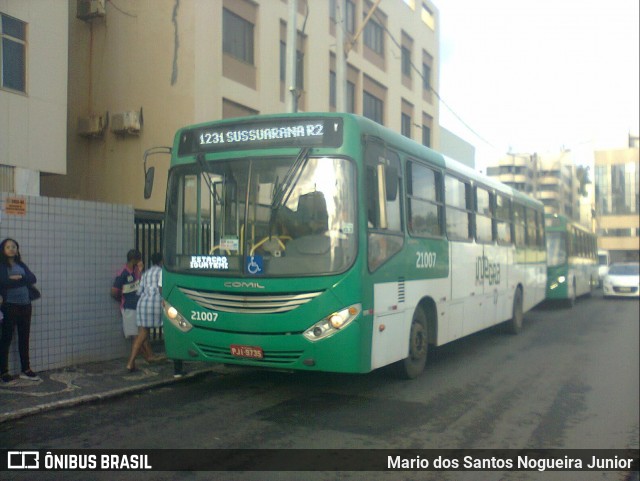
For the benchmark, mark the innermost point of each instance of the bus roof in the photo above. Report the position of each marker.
(369, 127)
(560, 222)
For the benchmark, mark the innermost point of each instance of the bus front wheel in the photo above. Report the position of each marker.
(413, 365)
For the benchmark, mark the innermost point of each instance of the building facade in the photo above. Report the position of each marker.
(550, 178)
(140, 71)
(457, 148)
(33, 93)
(617, 193)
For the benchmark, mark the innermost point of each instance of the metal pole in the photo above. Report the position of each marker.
(291, 53)
(341, 58)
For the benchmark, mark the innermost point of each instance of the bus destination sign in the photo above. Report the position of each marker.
(272, 133)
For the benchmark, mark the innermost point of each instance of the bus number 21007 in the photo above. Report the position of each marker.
(425, 260)
(204, 316)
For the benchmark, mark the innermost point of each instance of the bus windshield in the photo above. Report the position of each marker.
(556, 248)
(262, 217)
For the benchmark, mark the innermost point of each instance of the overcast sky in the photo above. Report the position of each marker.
(534, 76)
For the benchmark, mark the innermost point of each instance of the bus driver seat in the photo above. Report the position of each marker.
(312, 216)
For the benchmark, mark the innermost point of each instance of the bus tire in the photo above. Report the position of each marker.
(413, 365)
(514, 325)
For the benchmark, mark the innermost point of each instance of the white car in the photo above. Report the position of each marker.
(622, 280)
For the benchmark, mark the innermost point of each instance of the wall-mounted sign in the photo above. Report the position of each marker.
(15, 206)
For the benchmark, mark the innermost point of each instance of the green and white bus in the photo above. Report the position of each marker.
(572, 257)
(326, 242)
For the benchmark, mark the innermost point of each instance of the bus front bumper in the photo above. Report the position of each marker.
(341, 352)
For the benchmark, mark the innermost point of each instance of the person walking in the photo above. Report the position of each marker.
(149, 308)
(125, 289)
(15, 279)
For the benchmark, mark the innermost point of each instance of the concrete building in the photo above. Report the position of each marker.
(33, 93)
(617, 193)
(141, 70)
(550, 178)
(517, 171)
(457, 148)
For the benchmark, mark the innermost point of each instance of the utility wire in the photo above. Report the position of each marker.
(419, 72)
(122, 11)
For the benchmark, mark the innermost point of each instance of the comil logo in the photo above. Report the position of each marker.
(23, 460)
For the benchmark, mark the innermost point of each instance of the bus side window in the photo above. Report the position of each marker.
(503, 220)
(384, 241)
(540, 229)
(459, 204)
(424, 201)
(519, 225)
(532, 240)
(484, 212)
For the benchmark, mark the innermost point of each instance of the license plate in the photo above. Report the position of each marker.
(624, 289)
(252, 352)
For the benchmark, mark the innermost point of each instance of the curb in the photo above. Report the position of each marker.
(65, 403)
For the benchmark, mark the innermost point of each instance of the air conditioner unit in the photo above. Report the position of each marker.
(126, 122)
(87, 10)
(92, 126)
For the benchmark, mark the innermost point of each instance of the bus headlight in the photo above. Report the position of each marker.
(561, 279)
(333, 323)
(176, 318)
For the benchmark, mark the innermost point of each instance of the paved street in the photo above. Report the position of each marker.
(570, 380)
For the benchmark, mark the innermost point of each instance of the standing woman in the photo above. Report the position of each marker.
(15, 277)
(149, 309)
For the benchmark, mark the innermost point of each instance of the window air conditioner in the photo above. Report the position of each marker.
(87, 10)
(126, 122)
(92, 126)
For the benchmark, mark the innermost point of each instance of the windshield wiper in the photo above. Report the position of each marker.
(283, 191)
(203, 170)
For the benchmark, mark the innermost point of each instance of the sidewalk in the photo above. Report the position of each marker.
(89, 382)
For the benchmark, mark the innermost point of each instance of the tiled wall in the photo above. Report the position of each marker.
(75, 249)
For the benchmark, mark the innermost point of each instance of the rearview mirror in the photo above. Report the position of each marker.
(148, 181)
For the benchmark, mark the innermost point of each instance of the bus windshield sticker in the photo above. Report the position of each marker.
(255, 265)
(347, 228)
(209, 262)
(230, 244)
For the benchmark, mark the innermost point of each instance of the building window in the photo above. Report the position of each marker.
(351, 97)
(7, 178)
(13, 53)
(426, 77)
(405, 125)
(299, 66)
(372, 107)
(374, 37)
(624, 189)
(428, 17)
(426, 135)
(237, 37)
(411, 4)
(406, 62)
(349, 15)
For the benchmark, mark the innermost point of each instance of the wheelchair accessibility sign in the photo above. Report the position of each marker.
(255, 265)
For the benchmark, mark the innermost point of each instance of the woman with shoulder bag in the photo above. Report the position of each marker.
(15, 280)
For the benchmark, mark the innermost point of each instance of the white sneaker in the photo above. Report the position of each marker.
(29, 375)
